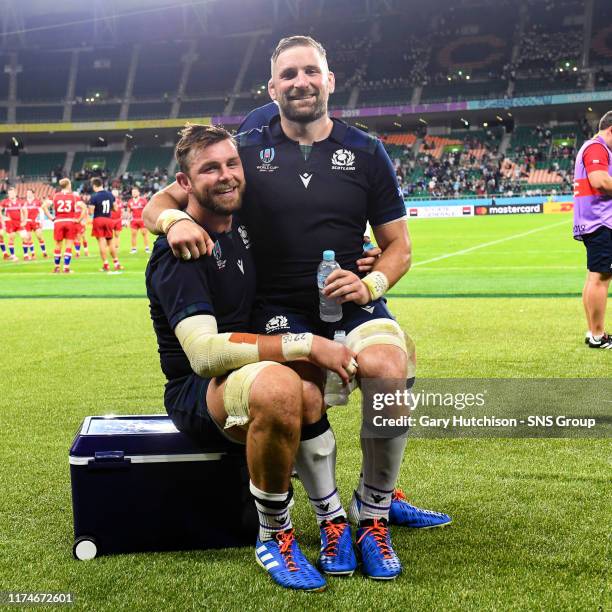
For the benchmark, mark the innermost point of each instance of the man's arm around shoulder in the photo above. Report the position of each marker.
(161, 214)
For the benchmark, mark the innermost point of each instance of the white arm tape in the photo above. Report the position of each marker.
(377, 284)
(295, 346)
(167, 218)
(211, 354)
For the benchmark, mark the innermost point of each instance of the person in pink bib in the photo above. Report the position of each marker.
(593, 226)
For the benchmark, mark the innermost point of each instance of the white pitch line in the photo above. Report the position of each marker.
(487, 244)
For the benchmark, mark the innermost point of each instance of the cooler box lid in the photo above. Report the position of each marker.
(141, 438)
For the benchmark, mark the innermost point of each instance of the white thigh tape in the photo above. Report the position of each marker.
(237, 389)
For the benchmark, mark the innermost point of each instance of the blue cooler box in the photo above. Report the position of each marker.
(138, 484)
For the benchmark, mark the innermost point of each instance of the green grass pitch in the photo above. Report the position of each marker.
(487, 297)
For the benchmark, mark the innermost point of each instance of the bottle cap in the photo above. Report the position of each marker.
(329, 255)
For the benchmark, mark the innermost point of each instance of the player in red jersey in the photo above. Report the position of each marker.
(32, 225)
(117, 217)
(5, 254)
(82, 236)
(135, 206)
(15, 222)
(69, 211)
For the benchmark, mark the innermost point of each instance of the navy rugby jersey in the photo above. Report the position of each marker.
(295, 208)
(258, 117)
(222, 285)
(102, 201)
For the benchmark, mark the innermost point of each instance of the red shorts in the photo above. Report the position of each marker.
(118, 225)
(13, 226)
(32, 226)
(103, 227)
(137, 224)
(65, 230)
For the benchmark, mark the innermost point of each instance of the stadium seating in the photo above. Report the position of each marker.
(377, 97)
(149, 110)
(601, 44)
(95, 112)
(202, 108)
(44, 76)
(148, 159)
(39, 164)
(159, 69)
(217, 66)
(103, 71)
(244, 105)
(339, 99)
(109, 159)
(405, 140)
(39, 114)
(460, 89)
(41, 190)
(526, 87)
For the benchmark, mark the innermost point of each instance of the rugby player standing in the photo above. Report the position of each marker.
(117, 217)
(5, 255)
(593, 226)
(33, 206)
(226, 386)
(101, 204)
(136, 205)
(15, 221)
(312, 184)
(68, 213)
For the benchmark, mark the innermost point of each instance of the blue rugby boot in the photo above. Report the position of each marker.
(378, 559)
(337, 557)
(286, 564)
(404, 514)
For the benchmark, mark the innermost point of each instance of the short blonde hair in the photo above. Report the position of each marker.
(298, 41)
(64, 183)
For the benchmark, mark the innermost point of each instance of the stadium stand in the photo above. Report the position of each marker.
(38, 114)
(146, 159)
(97, 111)
(384, 58)
(43, 76)
(149, 110)
(157, 73)
(202, 108)
(108, 160)
(39, 164)
(102, 71)
(218, 63)
(41, 190)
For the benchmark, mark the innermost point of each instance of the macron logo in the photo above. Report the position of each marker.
(306, 179)
(240, 265)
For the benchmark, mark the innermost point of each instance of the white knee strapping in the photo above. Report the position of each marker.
(383, 331)
(237, 389)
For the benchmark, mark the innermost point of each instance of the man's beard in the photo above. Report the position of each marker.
(211, 201)
(309, 115)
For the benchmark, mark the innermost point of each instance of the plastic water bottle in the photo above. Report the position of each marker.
(368, 246)
(336, 392)
(329, 310)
